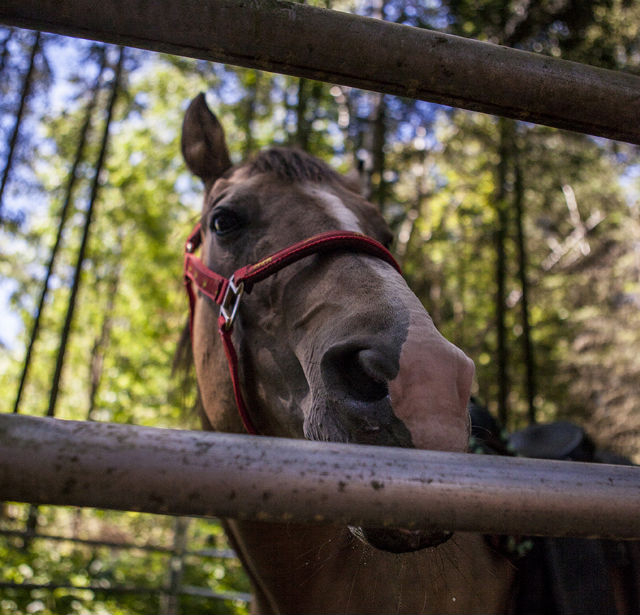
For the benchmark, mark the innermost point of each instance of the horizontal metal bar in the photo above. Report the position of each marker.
(115, 589)
(203, 553)
(213, 553)
(203, 592)
(106, 465)
(332, 46)
(185, 590)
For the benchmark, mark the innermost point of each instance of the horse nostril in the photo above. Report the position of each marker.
(361, 374)
(353, 400)
(363, 378)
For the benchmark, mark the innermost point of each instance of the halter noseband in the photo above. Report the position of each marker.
(227, 292)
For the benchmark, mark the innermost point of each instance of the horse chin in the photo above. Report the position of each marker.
(399, 540)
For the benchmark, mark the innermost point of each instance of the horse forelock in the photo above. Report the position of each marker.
(290, 164)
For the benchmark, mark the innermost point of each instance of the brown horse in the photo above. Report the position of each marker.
(333, 347)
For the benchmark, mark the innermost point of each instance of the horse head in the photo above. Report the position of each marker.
(333, 347)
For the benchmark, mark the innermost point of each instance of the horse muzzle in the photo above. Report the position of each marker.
(357, 408)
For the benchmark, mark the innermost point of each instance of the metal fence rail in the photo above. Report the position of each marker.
(47, 461)
(50, 461)
(328, 45)
(168, 592)
(129, 546)
(185, 590)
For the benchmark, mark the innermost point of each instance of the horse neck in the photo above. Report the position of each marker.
(302, 569)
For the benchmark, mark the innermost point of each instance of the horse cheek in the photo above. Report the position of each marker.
(432, 388)
(212, 371)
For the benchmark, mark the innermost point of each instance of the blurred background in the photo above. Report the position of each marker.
(522, 241)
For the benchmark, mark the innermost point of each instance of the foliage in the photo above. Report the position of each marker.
(447, 181)
(40, 561)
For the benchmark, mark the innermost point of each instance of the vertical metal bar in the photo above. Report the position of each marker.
(170, 602)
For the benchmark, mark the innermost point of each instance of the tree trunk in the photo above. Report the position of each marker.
(373, 141)
(79, 155)
(13, 140)
(98, 351)
(527, 346)
(377, 151)
(302, 125)
(250, 112)
(85, 238)
(501, 273)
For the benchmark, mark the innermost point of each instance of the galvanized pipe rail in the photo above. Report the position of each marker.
(186, 590)
(113, 545)
(327, 45)
(106, 465)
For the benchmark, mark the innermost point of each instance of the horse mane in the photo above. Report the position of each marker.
(290, 164)
(184, 392)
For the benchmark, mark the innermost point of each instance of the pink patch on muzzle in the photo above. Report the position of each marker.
(432, 388)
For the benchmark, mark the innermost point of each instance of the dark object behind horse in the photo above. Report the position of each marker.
(562, 575)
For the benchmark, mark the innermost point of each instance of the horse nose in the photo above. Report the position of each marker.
(357, 372)
(355, 378)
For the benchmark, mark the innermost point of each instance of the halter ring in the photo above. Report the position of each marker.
(231, 302)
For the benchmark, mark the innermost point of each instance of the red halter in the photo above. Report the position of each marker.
(227, 292)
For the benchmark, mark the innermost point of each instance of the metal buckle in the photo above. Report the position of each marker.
(230, 302)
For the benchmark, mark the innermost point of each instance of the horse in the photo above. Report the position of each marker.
(330, 345)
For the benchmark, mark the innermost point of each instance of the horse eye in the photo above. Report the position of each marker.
(224, 222)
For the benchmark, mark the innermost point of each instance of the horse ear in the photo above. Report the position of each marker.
(203, 143)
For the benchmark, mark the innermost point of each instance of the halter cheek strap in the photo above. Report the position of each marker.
(227, 292)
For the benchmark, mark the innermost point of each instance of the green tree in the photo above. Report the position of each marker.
(565, 207)
(527, 176)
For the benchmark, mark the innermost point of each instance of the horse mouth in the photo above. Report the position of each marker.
(399, 540)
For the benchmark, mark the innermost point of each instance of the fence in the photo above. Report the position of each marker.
(363, 52)
(508, 495)
(169, 593)
(272, 479)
